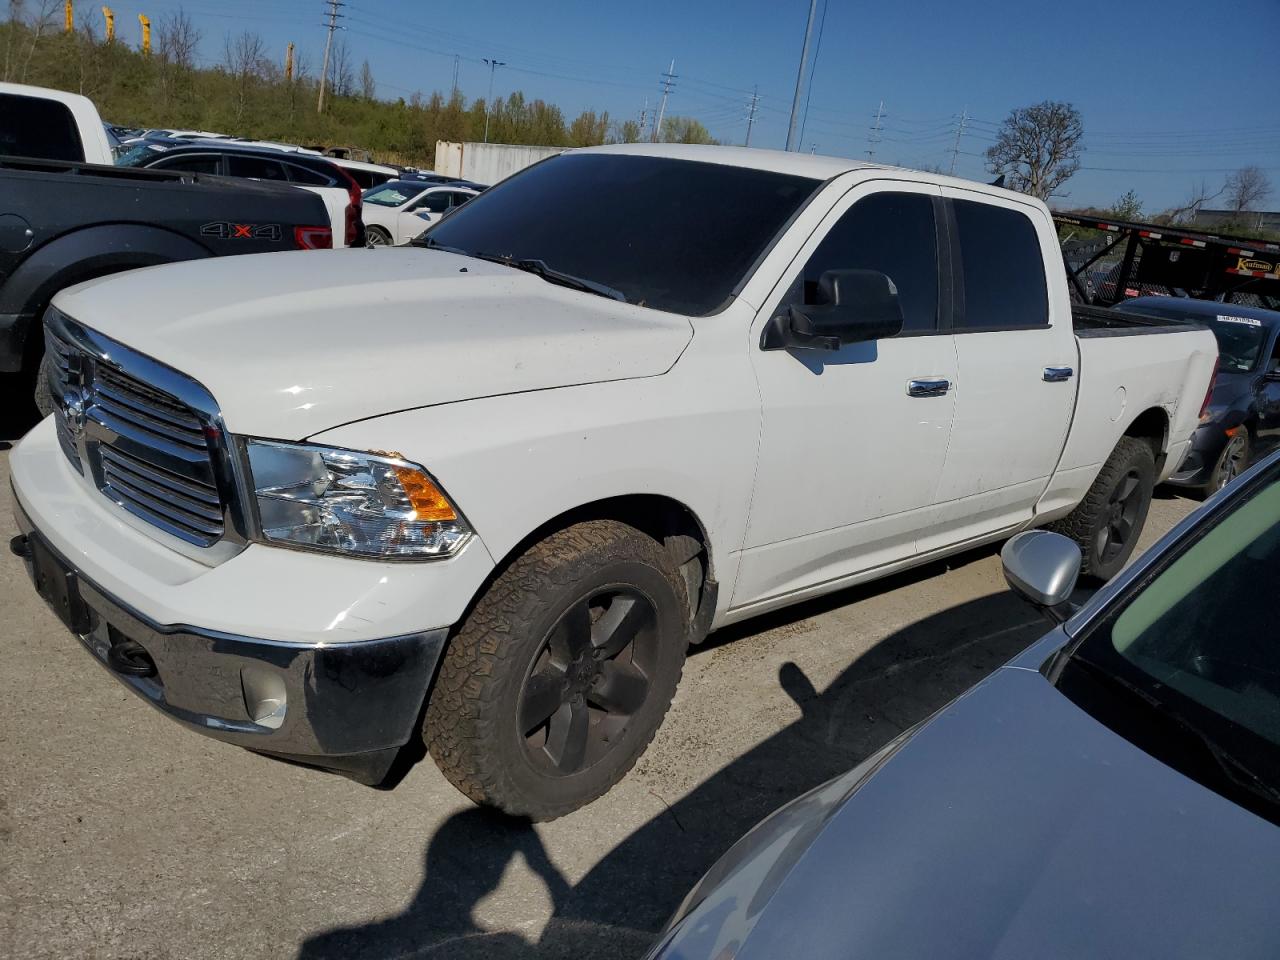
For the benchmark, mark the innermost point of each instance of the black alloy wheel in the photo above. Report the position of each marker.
(590, 677)
(1122, 523)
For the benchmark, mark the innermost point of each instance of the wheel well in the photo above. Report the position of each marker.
(1153, 426)
(666, 520)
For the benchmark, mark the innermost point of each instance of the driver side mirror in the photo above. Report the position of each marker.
(1273, 369)
(1042, 568)
(857, 305)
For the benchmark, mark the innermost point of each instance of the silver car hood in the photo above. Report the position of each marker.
(1014, 825)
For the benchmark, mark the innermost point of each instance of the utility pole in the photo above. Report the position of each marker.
(488, 104)
(668, 81)
(288, 64)
(328, 44)
(454, 91)
(109, 15)
(145, 21)
(875, 132)
(68, 18)
(751, 112)
(804, 59)
(955, 150)
(644, 117)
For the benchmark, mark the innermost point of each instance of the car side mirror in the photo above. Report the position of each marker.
(858, 305)
(1273, 369)
(1042, 568)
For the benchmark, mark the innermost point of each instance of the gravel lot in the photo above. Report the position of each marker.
(122, 835)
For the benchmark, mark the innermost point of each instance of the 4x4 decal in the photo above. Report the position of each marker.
(225, 230)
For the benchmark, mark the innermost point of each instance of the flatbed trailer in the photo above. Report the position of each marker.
(1139, 259)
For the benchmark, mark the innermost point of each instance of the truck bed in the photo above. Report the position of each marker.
(1091, 321)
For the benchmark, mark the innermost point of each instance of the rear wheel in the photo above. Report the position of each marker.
(562, 673)
(1108, 522)
(376, 237)
(1233, 461)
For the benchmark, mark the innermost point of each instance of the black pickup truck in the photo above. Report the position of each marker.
(62, 223)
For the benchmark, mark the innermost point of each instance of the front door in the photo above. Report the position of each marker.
(852, 441)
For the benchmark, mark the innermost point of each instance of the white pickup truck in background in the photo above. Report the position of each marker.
(51, 125)
(621, 399)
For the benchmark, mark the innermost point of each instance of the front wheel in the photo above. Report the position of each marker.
(562, 673)
(1108, 522)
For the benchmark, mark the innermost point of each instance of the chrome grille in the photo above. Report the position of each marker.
(59, 352)
(144, 447)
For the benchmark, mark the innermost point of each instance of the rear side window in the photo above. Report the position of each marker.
(311, 178)
(365, 178)
(1001, 271)
(893, 233)
(192, 163)
(35, 127)
(259, 168)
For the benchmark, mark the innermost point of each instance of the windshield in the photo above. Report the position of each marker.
(1240, 339)
(674, 235)
(1197, 642)
(138, 154)
(392, 194)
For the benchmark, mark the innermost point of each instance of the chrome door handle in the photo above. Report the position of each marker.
(1057, 374)
(928, 388)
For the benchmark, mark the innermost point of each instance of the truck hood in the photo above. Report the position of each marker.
(291, 344)
(1012, 825)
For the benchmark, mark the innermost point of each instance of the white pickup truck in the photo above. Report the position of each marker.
(487, 489)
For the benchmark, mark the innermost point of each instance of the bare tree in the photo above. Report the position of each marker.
(245, 57)
(40, 22)
(368, 88)
(1198, 197)
(342, 79)
(177, 38)
(1246, 189)
(1038, 147)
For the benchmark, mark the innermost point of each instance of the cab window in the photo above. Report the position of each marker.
(1001, 283)
(893, 233)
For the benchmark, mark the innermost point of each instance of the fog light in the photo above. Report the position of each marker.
(265, 699)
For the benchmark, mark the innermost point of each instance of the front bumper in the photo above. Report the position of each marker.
(346, 707)
(317, 658)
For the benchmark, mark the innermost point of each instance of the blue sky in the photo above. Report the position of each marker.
(1171, 91)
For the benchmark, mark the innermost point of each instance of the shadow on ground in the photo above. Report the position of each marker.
(616, 908)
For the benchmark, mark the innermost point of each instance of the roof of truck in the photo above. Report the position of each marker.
(798, 164)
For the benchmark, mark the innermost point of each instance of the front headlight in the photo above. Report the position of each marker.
(345, 501)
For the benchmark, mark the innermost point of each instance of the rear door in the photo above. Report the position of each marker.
(852, 441)
(1017, 358)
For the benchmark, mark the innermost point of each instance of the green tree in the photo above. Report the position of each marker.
(588, 130)
(685, 130)
(1127, 206)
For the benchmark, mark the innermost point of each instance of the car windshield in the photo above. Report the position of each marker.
(675, 235)
(392, 194)
(1196, 643)
(138, 154)
(1240, 339)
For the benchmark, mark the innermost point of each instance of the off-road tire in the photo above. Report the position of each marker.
(471, 726)
(1132, 455)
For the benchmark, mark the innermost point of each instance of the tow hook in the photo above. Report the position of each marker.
(131, 659)
(20, 546)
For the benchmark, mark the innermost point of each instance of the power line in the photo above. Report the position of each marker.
(751, 114)
(334, 15)
(668, 81)
(874, 138)
(488, 103)
(804, 57)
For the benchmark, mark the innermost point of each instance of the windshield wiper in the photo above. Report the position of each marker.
(1230, 766)
(537, 267)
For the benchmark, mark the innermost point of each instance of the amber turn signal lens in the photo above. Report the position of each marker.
(428, 502)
